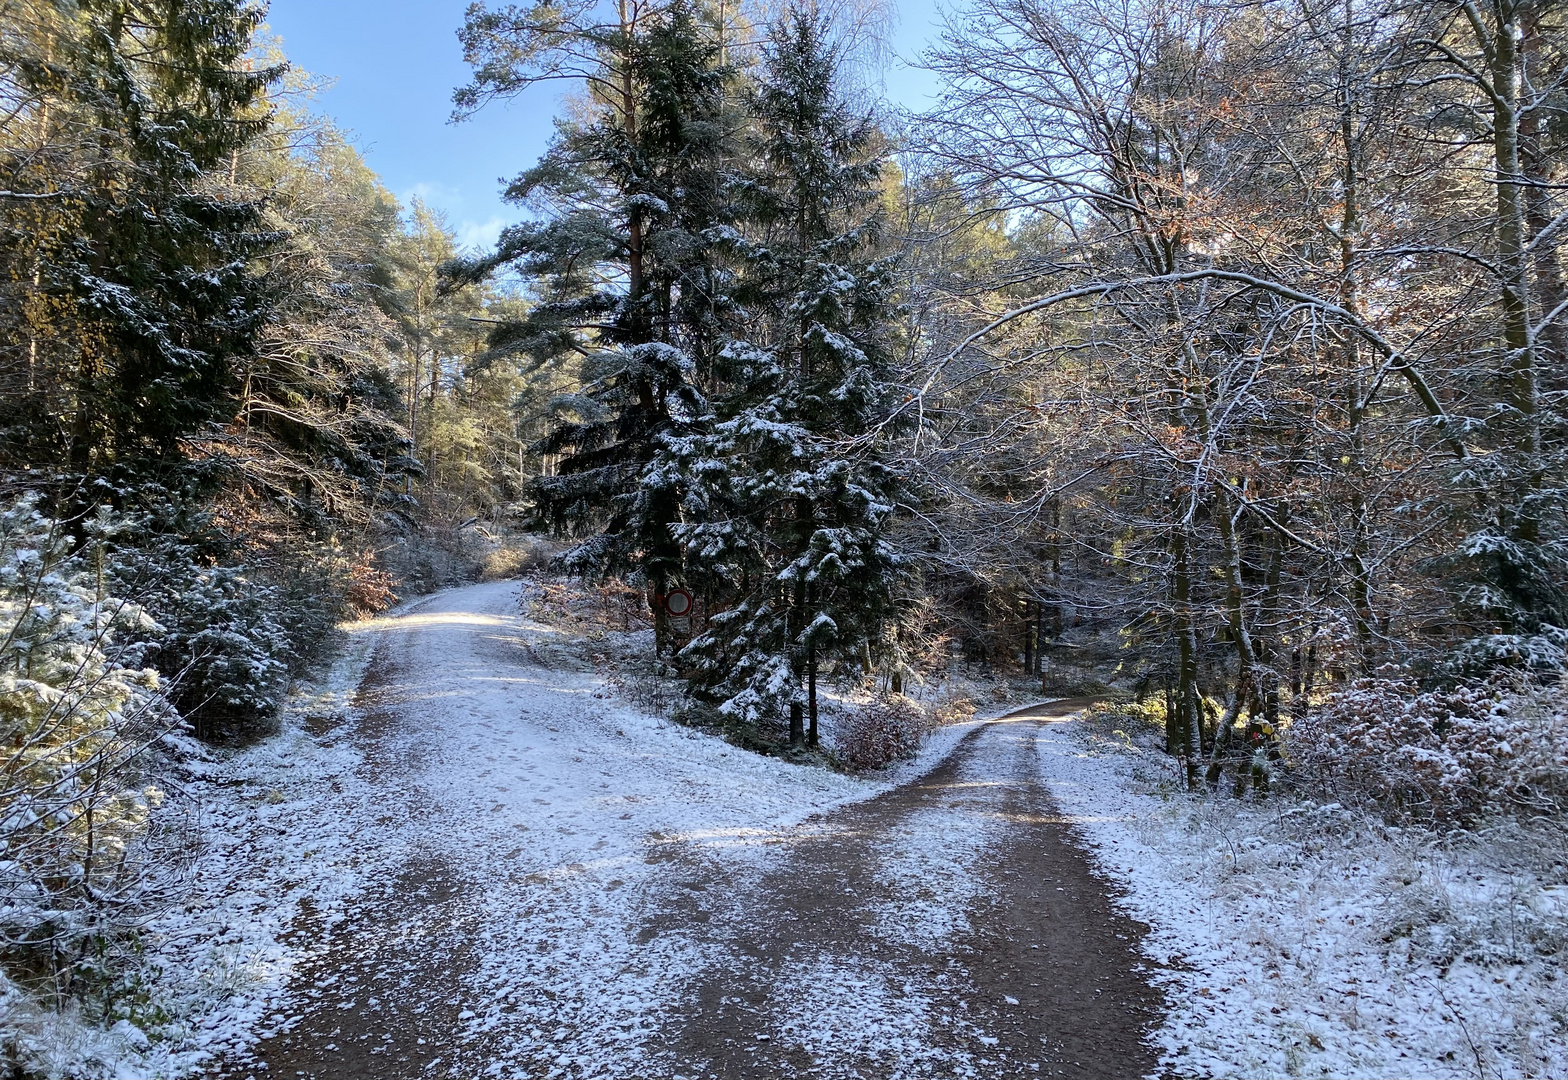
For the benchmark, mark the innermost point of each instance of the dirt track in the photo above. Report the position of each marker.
(1044, 980)
(948, 927)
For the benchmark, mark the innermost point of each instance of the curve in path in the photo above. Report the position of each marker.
(555, 884)
(948, 927)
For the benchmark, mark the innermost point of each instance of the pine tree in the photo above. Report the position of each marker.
(790, 493)
(625, 278)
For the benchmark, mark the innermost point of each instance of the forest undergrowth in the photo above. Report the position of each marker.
(1316, 930)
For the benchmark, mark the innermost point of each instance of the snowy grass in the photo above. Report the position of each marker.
(1308, 940)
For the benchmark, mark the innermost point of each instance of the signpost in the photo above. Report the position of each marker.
(678, 603)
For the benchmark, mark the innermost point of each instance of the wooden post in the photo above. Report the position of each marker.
(1029, 644)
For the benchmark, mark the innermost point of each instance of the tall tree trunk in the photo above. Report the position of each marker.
(811, 695)
(1519, 511)
(1246, 655)
(1187, 652)
(628, 107)
(1348, 234)
(1303, 699)
(1056, 568)
(1039, 639)
(1171, 731)
(1268, 633)
(1539, 169)
(1235, 596)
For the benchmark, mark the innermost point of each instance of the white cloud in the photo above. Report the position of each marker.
(441, 196)
(473, 235)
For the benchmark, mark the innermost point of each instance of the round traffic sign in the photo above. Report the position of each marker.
(677, 602)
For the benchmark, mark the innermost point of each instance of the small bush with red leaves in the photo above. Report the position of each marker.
(367, 589)
(888, 729)
(1449, 757)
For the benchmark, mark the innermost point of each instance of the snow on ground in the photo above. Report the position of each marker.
(567, 814)
(496, 748)
(1296, 939)
(593, 807)
(845, 1008)
(929, 875)
(603, 810)
(1306, 940)
(929, 864)
(216, 965)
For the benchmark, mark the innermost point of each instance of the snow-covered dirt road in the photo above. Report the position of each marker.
(544, 881)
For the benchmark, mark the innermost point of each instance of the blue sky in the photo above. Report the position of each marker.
(394, 64)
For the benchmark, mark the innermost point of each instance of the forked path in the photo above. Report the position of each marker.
(553, 884)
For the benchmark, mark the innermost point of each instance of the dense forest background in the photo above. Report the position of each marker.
(1210, 354)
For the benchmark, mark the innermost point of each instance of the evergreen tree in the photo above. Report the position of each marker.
(790, 493)
(626, 282)
(137, 251)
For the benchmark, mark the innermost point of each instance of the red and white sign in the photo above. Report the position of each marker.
(677, 602)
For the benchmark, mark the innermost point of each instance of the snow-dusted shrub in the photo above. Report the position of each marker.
(885, 730)
(79, 715)
(224, 638)
(1449, 756)
(367, 588)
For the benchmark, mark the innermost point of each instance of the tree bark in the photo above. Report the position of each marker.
(1539, 169)
(1519, 511)
(1187, 654)
(811, 695)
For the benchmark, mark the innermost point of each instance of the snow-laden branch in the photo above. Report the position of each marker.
(1394, 357)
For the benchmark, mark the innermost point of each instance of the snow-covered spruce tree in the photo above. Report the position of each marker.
(78, 713)
(790, 492)
(622, 263)
(1509, 591)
